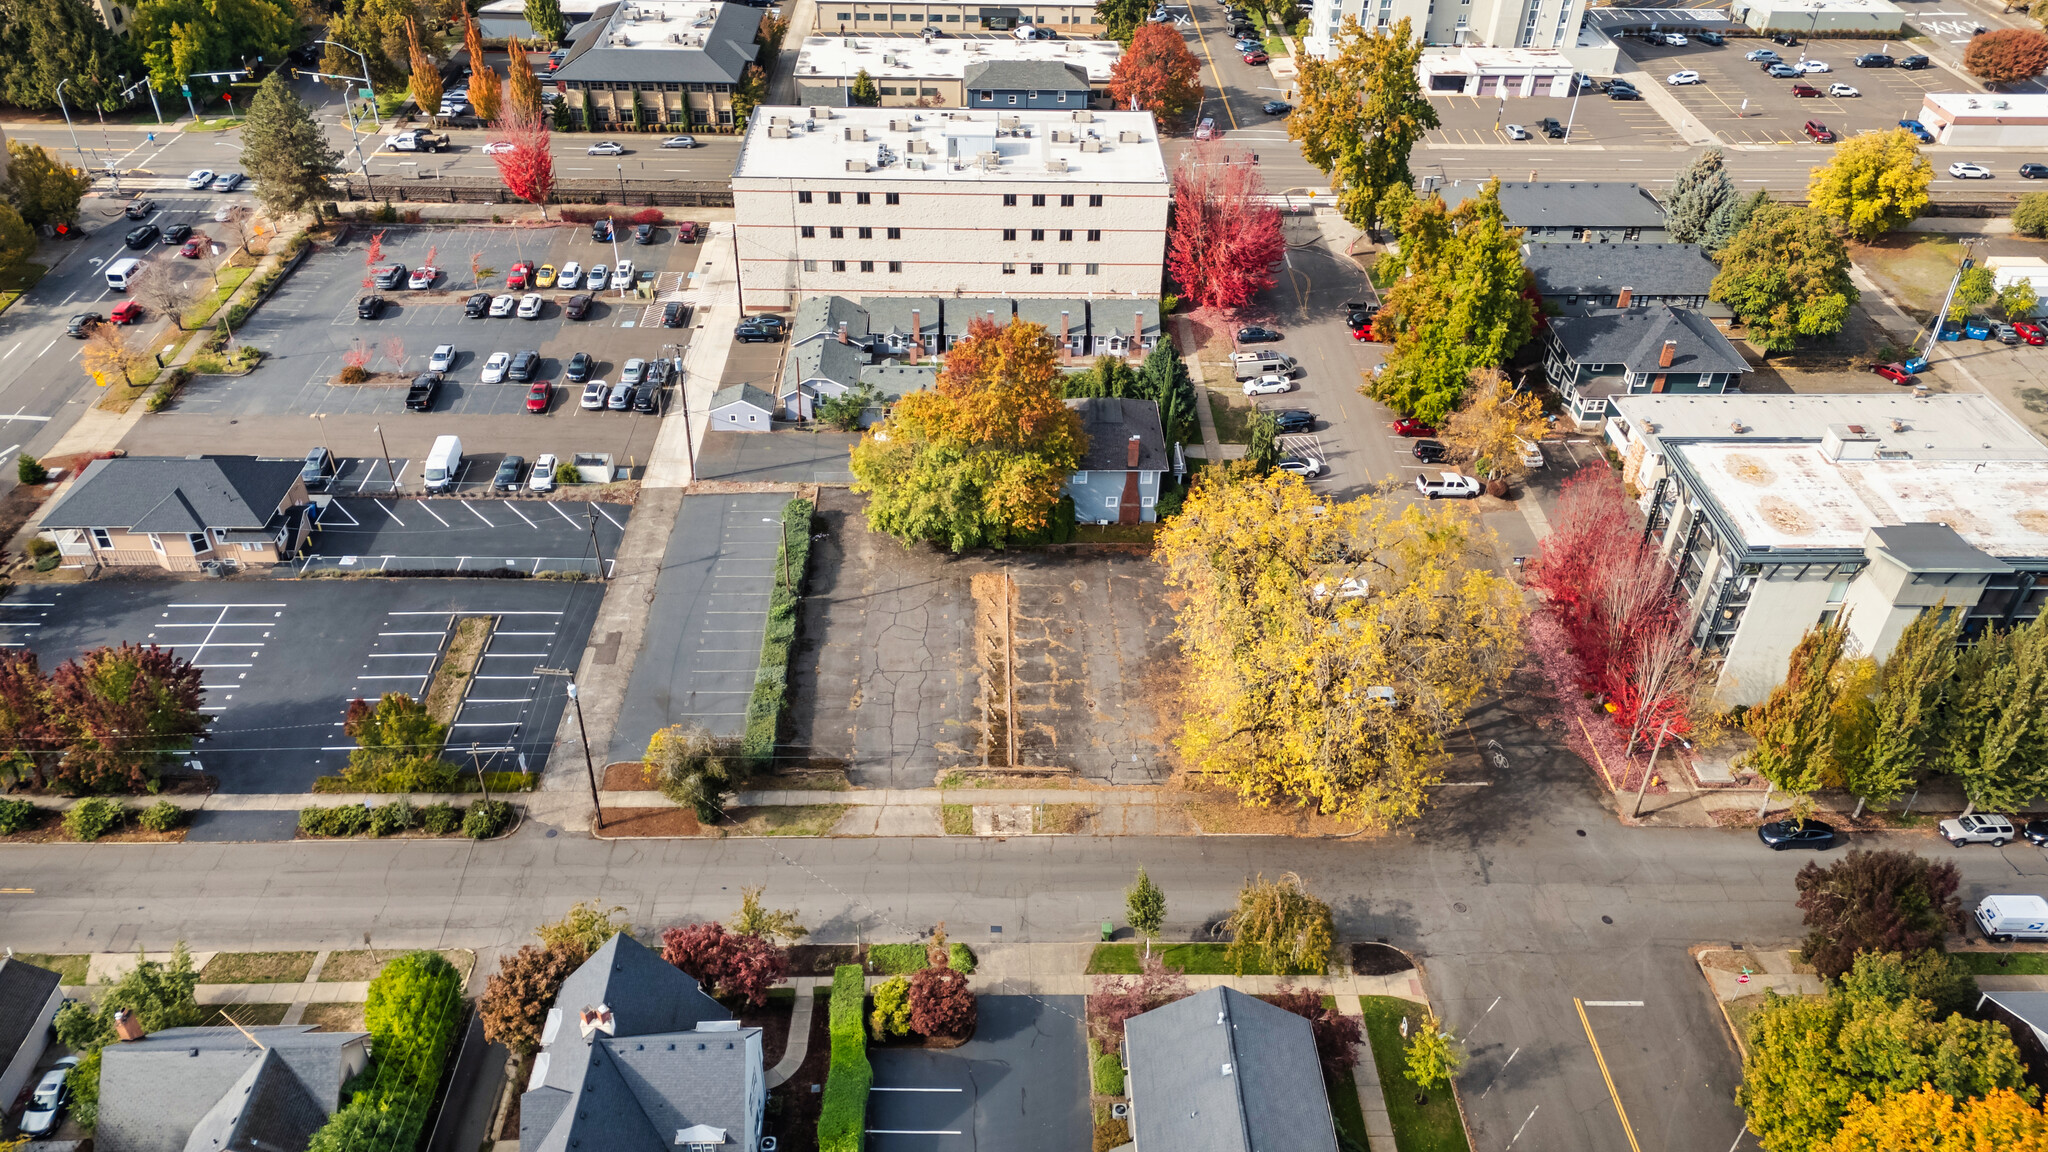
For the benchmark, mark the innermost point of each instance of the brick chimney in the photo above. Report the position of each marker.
(1664, 356)
(1137, 335)
(916, 336)
(127, 1027)
(598, 1019)
(1131, 448)
(1627, 294)
(842, 331)
(1066, 349)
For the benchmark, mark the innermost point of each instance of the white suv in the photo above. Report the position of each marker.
(1981, 829)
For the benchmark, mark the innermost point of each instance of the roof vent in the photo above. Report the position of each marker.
(1226, 1069)
(1736, 427)
(1898, 425)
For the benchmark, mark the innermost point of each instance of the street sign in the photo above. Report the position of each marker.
(366, 94)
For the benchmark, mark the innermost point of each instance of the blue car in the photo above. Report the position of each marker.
(1918, 129)
(1977, 328)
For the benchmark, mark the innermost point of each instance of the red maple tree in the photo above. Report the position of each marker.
(940, 1003)
(2007, 55)
(742, 967)
(1118, 998)
(124, 710)
(1158, 74)
(1336, 1034)
(527, 168)
(1224, 234)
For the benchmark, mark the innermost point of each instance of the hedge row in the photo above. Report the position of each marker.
(842, 1120)
(771, 683)
(480, 821)
(903, 959)
(92, 817)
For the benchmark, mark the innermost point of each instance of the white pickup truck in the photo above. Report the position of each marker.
(1448, 485)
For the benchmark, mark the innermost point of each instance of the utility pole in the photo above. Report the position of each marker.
(368, 88)
(67, 120)
(478, 764)
(1652, 767)
(387, 457)
(590, 517)
(582, 737)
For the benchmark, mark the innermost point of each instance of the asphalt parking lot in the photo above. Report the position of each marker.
(1592, 119)
(1742, 105)
(1020, 1085)
(466, 533)
(309, 328)
(788, 456)
(282, 659)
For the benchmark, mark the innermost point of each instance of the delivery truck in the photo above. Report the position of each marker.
(2009, 918)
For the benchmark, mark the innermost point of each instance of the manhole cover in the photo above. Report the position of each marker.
(1459, 907)
(1607, 919)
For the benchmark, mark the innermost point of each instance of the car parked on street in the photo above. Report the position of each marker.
(1268, 385)
(1980, 828)
(1782, 834)
(1257, 335)
(82, 324)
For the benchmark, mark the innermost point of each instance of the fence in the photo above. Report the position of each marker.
(481, 190)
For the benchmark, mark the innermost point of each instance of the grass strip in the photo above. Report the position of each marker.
(257, 967)
(2013, 963)
(958, 819)
(451, 675)
(203, 309)
(70, 969)
(17, 279)
(771, 683)
(1193, 959)
(1432, 1126)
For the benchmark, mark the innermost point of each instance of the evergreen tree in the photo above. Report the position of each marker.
(1795, 726)
(41, 187)
(1729, 220)
(1995, 724)
(44, 43)
(546, 19)
(865, 93)
(283, 150)
(1702, 189)
(1910, 691)
(1145, 906)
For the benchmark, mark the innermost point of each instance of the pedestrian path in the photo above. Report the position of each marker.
(799, 1041)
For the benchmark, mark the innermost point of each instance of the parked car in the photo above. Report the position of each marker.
(631, 374)
(2036, 832)
(1255, 58)
(510, 470)
(524, 362)
(594, 394)
(1782, 71)
(369, 307)
(544, 276)
(2028, 330)
(1873, 60)
(1810, 67)
(318, 471)
(142, 237)
(579, 368)
(82, 324)
(194, 248)
(494, 368)
(1294, 419)
(1447, 486)
(228, 182)
(1206, 130)
(1714, 38)
(577, 308)
(1306, 467)
(422, 278)
(680, 142)
(388, 277)
(1785, 38)
(2006, 334)
(571, 276)
(1760, 55)
(622, 276)
(1256, 335)
(621, 398)
(1675, 40)
(1964, 170)
(1686, 76)
(47, 1103)
(1918, 130)
(1430, 451)
(758, 329)
(1842, 90)
(1782, 834)
(1981, 828)
(529, 306)
(1619, 93)
(542, 479)
(443, 359)
(601, 231)
(1517, 132)
(1819, 133)
(643, 234)
(420, 397)
(1914, 63)
(126, 312)
(520, 275)
(1804, 91)
(1894, 372)
(1550, 128)
(478, 304)
(177, 234)
(674, 313)
(502, 305)
(647, 398)
(689, 232)
(605, 148)
(1410, 426)
(598, 276)
(1267, 385)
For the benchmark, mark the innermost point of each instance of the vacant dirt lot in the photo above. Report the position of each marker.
(913, 663)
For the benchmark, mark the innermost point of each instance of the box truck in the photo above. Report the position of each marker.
(444, 463)
(2009, 918)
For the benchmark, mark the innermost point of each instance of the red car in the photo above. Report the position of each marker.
(128, 312)
(1410, 426)
(192, 248)
(1255, 57)
(537, 397)
(520, 276)
(2031, 333)
(1805, 90)
(1363, 332)
(1895, 372)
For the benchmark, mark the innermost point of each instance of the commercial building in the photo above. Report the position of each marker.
(1059, 75)
(1606, 353)
(1552, 24)
(1492, 72)
(955, 17)
(2009, 270)
(666, 65)
(1806, 17)
(503, 19)
(893, 202)
(1578, 278)
(181, 512)
(1561, 211)
(1783, 512)
(1986, 119)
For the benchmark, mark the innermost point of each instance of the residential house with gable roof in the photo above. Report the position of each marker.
(224, 1089)
(1223, 1071)
(179, 512)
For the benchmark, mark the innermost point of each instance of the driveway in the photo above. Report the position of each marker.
(1020, 1085)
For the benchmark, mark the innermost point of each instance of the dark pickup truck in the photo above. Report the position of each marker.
(420, 397)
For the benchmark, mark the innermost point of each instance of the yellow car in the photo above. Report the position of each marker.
(545, 278)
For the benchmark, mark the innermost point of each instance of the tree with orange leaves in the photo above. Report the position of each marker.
(977, 460)
(1158, 75)
(522, 87)
(1927, 1120)
(484, 90)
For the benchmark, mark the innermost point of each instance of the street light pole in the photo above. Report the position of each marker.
(582, 737)
(74, 130)
(367, 86)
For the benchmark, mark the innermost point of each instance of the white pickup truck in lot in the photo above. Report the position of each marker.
(1449, 485)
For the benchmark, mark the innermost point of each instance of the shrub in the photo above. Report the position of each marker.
(941, 1004)
(764, 708)
(16, 815)
(91, 818)
(1106, 1069)
(1118, 998)
(313, 820)
(585, 928)
(891, 1016)
(41, 546)
(161, 816)
(738, 967)
(842, 1117)
(439, 819)
(349, 820)
(1279, 927)
(29, 470)
(693, 767)
(486, 818)
(395, 817)
(412, 1014)
(647, 216)
(960, 958)
(515, 1003)
(2030, 215)
(352, 374)
(1876, 902)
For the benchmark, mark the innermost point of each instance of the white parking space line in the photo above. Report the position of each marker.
(477, 514)
(431, 512)
(333, 507)
(512, 508)
(564, 515)
(608, 516)
(504, 677)
(388, 512)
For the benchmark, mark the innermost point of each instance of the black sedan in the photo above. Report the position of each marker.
(578, 371)
(674, 313)
(1294, 419)
(510, 471)
(1430, 451)
(2036, 832)
(643, 234)
(1257, 335)
(1276, 108)
(578, 306)
(143, 237)
(367, 307)
(477, 306)
(2034, 171)
(82, 324)
(1783, 834)
(177, 234)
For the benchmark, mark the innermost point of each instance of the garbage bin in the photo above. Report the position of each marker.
(1108, 930)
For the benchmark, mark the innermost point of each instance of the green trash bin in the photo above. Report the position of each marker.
(1108, 930)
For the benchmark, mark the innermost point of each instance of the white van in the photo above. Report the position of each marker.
(1262, 364)
(444, 463)
(2008, 918)
(121, 273)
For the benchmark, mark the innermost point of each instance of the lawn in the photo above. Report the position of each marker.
(2005, 963)
(788, 820)
(334, 1016)
(18, 279)
(363, 964)
(958, 819)
(1115, 533)
(247, 1015)
(217, 124)
(1344, 1105)
(203, 309)
(1431, 1127)
(1193, 959)
(69, 969)
(1059, 819)
(257, 968)
(1233, 418)
(1915, 267)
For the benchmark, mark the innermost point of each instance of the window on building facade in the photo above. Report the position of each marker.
(892, 198)
(895, 265)
(895, 233)
(1091, 269)
(1109, 502)
(1009, 233)
(867, 234)
(1066, 199)
(987, 96)
(1009, 199)
(725, 116)
(886, 90)
(1064, 269)
(101, 538)
(839, 265)
(831, 197)
(810, 265)
(807, 231)
(1038, 199)
(1095, 199)
(1013, 97)
(1063, 98)
(1066, 234)
(867, 265)
(197, 542)
(1038, 269)
(1094, 234)
(838, 233)
(923, 92)
(863, 198)
(803, 197)
(1038, 233)
(1009, 269)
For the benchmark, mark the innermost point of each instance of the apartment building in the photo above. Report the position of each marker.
(867, 202)
(664, 65)
(1543, 24)
(1778, 513)
(1058, 75)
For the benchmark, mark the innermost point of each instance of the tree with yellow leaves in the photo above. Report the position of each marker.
(1925, 1120)
(978, 459)
(107, 354)
(1876, 182)
(1331, 646)
(522, 87)
(425, 80)
(485, 93)
(1484, 430)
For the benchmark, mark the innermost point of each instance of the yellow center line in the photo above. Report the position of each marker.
(1203, 40)
(17, 891)
(1616, 1096)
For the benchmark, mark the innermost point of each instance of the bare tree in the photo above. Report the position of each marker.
(162, 288)
(241, 220)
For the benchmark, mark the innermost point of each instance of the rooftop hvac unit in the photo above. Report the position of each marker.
(1055, 165)
(1007, 124)
(778, 132)
(899, 126)
(920, 147)
(675, 38)
(1091, 145)
(856, 165)
(888, 59)
(778, 121)
(1084, 116)
(1129, 138)
(914, 164)
(1060, 136)
(848, 43)
(820, 112)
(857, 135)
(989, 159)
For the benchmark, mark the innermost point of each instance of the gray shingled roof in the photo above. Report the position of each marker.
(269, 1107)
(888, 314)
(655, 1075)
(1635, 337)
(1221, 1071)
(963, 311)
(176, 493)
(1025, 76)
(1110, 424)
(155, 1092)
(893, 379)
(24, 990)
(728, 48)
(1114, 317)
(1935, 548)
(1567, 204)
(743, 393)
(1605, 269)
(1047, 313)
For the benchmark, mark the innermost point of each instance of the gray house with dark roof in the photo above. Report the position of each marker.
(1613, 352)
(29, 999)
(1579, 278)
(1025, 84)
(214, 1090)
(678, 62)
(1118, 482)
(178, 512)
(1560, 211)
(1221, 1071)
(836, 345)
(648, 1061)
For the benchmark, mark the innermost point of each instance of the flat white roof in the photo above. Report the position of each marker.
(660, 24)
(1006, 145)
(518, 7)
(1878, 7)
(1473, 57)
(1962, 427)
(908, 56)
(1989, 104)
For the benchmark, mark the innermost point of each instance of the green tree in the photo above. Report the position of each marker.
(1262, 441)
(1164, 380)
(2018, 300)
(2030, 215)
(1994, 735)
(1703, 188)
(583, 929)
(1910, 690)
(41, 188)
(1145, 906)
(1730, 219)
(1875, 183)
(17, 239)
(776, 924)
(1121, 18)
(546, 19)
(1278, 927)
(1434, 1056)
(180, 37)
(865, 93)
(693, 767)
(376, 28)
(1786, 275)
(1361, 114)
(159, 994)
(398, 747)
(1795, 726)
(284, 151)
(44, 43)
(1977, 285)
